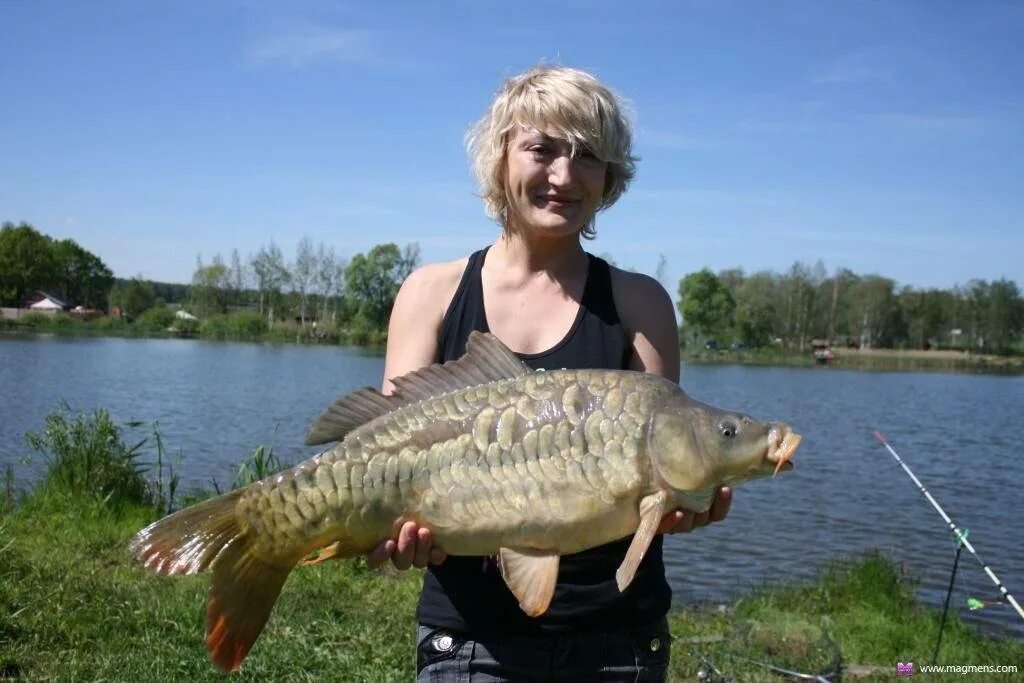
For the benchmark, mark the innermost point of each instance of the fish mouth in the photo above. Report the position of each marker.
(782, 443)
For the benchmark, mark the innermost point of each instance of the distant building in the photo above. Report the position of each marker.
(41, 301)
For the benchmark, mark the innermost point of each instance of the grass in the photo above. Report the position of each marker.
(861, 611)
(75, 606)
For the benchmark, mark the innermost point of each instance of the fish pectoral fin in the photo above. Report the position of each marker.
(530, 575)
(652, 509)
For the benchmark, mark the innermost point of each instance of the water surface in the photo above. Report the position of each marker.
(959, 433)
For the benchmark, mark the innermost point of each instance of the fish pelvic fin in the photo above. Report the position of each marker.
(244, 590)
(531, 576)
(486, 360)
(188, 541)
(652, 509)
(339, 550)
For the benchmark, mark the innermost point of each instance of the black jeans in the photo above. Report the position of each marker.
(614, 654)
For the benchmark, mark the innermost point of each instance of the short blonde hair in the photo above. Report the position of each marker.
(571, 103)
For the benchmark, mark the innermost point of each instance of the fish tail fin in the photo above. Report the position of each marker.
(244, 590)
(245, 586)
(188, 541)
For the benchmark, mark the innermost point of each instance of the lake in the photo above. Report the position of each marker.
(961, 434)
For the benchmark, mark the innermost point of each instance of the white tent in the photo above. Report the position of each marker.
(48, 303)
(182, 314)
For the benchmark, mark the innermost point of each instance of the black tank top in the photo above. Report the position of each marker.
(467, 593)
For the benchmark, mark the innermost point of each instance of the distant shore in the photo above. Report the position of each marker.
(291, 333)
(871, 360)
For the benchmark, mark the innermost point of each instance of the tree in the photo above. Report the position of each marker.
(303, 273)
(211, 287)
(271, 276)
(132, 297)
(81, 277)
(27, 263)
(755, 310)
(661, 272)
(327, 276)
(834, 301)
(239, 278)
(1005, 314)
(373, 279)
(705, 305)
(800, 286)
(872, 306)
(926, 315)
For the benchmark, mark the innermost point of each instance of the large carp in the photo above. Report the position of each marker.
(492, 457)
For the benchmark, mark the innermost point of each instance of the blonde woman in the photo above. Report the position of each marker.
(552, 151)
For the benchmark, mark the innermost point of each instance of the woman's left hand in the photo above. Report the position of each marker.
(682, 521)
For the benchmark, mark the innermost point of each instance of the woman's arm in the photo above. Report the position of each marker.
(645, 309)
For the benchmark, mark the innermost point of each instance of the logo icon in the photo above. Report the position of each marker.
(904, 668)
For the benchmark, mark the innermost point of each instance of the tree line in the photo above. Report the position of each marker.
(316, 286)
(806, 303)
(762, 309)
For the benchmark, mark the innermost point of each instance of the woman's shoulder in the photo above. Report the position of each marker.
(431, 287)
(637, 293)
(647, 313)
(438, 275)
(416, 317)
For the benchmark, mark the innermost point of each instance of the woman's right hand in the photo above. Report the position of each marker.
(414, 546)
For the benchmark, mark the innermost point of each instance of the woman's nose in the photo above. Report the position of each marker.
(560, 171)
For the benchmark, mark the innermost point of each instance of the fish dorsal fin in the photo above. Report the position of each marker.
(349, 412)
(531, 576)
(486, 360)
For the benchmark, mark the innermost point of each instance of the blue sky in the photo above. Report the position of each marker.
(885, 137)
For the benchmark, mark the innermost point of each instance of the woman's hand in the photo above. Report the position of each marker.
(682, 521)
(413, 547)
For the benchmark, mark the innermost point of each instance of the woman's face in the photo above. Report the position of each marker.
(549, 189)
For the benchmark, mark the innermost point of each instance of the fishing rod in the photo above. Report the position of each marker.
(960, 535)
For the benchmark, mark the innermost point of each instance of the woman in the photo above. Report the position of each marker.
(552, 151)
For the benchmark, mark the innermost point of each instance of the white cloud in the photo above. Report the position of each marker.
(928, 122)
(672, 141)
(702, 197)
(865, 66)
(310, 43)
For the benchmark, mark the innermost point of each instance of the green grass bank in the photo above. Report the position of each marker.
(74, 606)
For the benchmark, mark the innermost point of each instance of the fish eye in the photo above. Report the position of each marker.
(727, 429)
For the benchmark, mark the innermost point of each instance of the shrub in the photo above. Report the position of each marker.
(88, 457)
(156, 319)
(107, 323)
(359, 331)
(35, 320)
(247, 324)
(259, 464)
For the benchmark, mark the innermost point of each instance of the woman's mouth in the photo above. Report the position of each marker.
(557, 201)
